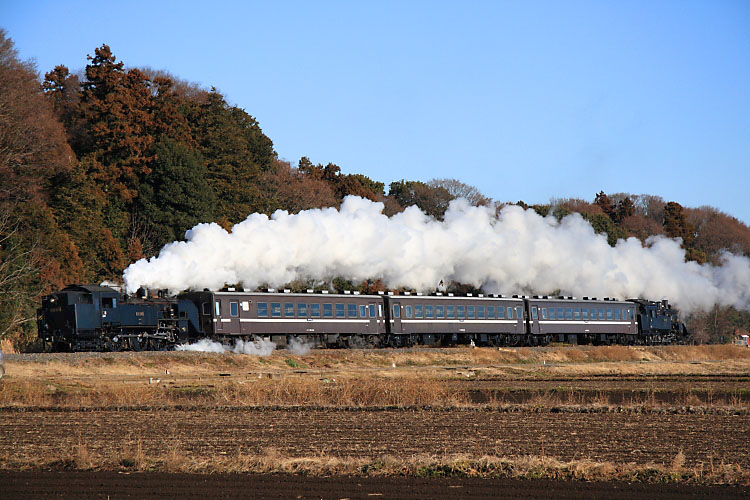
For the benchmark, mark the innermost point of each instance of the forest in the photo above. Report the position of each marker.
(102, 167)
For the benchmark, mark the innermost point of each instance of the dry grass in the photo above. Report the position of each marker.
(462, 465)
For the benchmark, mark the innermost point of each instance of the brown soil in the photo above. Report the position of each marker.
(642, 438)
(111, 485)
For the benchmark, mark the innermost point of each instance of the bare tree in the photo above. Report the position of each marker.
(458, 189)
(19, 263)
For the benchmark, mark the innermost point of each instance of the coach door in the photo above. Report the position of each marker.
(372, 311)
(396, 318)
(217, 315)
(520, 325)
(534, 319)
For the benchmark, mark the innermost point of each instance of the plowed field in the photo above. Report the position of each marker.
(618, 437)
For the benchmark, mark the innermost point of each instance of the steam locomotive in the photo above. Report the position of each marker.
(101, 318)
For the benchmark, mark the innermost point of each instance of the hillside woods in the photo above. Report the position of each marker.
(102, 168)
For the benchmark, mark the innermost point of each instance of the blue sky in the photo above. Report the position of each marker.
(527, 100)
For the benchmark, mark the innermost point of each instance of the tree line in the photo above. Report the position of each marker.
(103, 167)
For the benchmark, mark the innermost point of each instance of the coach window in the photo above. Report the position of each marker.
(362, 311)
(380, 310)
(288, 309)
(429, 312)
(418, 311)
(262, 309)
(218, 308)
(500, 312)
(461, 314)
(552, 313)
(609, 314)
(544, 313)
(302, 310)
(396, 311)
(568, 313)
(490, 312)
(601, 314)
(440, 312)
(617, 315)
(577, 313)
(315, 310)
(408, 311)
(471, 312)
(245, 305)
(352, 310)
(276, 309)
(328, 310)
(534, 312)
(560, 313)
(519, 312)
(234, 309)
(372, 310)
(450, 312)
(341, 310)
(480, 312)
(206, 309)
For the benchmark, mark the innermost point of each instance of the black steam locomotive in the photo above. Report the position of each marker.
(100, 318)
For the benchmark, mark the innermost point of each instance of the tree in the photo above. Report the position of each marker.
(605, 203)
(33, 149)
(433, 201)
(236, 153)
(172, 198)
(458, 189)
(342, 184)
(117, 111)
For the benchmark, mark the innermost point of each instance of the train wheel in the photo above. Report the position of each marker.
(135, 343)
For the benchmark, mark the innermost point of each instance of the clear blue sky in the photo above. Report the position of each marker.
(525, 99)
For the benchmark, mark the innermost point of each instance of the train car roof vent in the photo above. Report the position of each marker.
(381, 292)
(585, 298)
(347, 292)
(230, 289)
(390, 293)
(440, 294)
(324, 291)
(419, 294)
(286, 290)
(573, 298)
(450, 295)
(310, 290)
(469, 295)
(271, 290)
(515, 296)
(407, 293)
(480, 295)
(356, 292)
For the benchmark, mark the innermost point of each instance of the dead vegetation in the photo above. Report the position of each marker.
(423, 465)
(535, 377)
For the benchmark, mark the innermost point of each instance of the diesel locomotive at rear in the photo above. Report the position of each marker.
(100, 318)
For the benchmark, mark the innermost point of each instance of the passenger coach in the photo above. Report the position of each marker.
(438, 318)
(583, 320)
(343, 320)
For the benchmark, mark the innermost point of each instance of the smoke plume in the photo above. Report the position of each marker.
(517, 251)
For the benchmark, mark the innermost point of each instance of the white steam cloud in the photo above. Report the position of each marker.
(299, 346)
(259, 347)
(515, 252)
